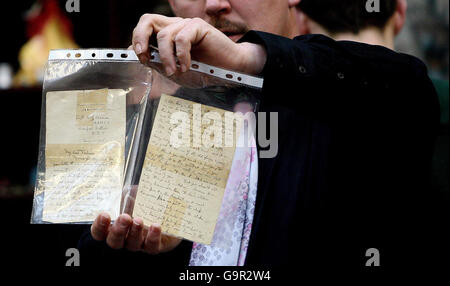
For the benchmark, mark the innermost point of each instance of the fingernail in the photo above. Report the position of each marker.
(103, 220)
(169, 71)
(143, 58)
(122, 223)
(183, 68)
(136, 223)
(138, 48)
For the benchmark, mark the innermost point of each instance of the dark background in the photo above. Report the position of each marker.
(100, 24)
(109, 24)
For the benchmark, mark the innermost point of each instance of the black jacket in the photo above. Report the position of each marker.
(356, 126)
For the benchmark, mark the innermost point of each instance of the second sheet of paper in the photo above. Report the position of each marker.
(181, 188)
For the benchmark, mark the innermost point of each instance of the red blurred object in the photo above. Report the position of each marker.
(48, 28)
(40, 15)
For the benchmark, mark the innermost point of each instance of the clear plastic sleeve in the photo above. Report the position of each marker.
(92, 110)
(163, 182)
(107, 141)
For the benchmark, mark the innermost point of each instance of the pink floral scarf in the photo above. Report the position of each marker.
(232, 232)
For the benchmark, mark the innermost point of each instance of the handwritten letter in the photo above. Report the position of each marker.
(84, 154)
(181, 187)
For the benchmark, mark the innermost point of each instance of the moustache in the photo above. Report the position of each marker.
(229, 26)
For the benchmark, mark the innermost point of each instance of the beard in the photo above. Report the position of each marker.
(228, 27)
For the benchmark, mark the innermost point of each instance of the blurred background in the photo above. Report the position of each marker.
(30, 28)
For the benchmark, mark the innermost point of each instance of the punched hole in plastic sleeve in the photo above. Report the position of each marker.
(130, 55)
(93, 106)
(240, 78)
(93, 54)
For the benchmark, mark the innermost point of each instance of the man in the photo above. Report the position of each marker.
(240, 18)
(356, 128)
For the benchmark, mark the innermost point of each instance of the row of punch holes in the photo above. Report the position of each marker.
(211, 71)
(94, 55)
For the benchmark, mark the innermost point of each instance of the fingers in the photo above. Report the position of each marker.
(183, 44)
(175, 42)
(148, 24)
(99, 229)
(135, 236)
(178, 38)
(127, 233)
(152, 244)
(192, 32)
(142, 33)
(166, 45)
(118, 232)
(166, 48)
(175, 38)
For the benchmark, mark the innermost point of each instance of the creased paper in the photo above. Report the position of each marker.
(84, 154)
(181, 187)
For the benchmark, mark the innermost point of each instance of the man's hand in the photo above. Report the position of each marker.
(132, 234)
(186, 39)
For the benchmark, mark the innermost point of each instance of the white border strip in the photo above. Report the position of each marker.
(130, 55)
(93, 54)
(218, 72)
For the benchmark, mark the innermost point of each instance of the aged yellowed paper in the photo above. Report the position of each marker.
(181, 187)
(84, 154)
